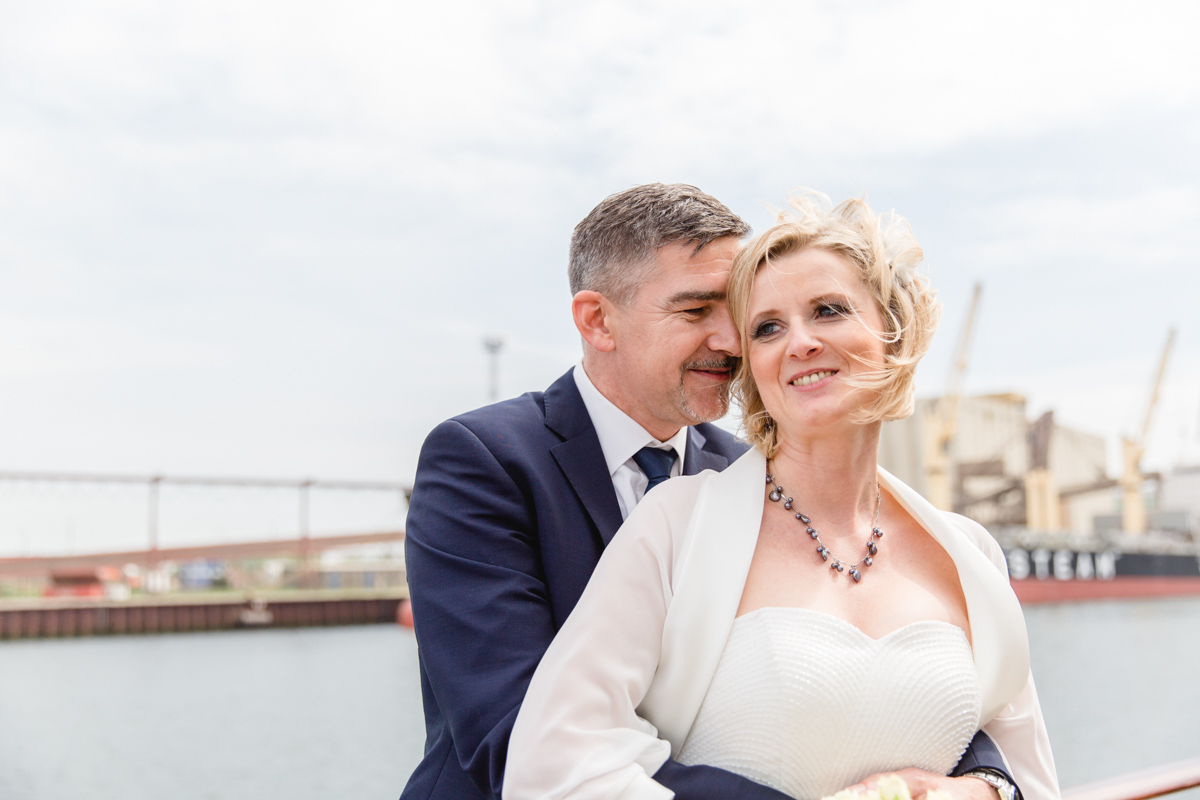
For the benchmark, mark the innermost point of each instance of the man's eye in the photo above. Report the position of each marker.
(695, 312)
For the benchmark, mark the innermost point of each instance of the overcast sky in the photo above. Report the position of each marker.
(267, 238)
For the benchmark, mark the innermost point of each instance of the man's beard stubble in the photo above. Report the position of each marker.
(685, 405)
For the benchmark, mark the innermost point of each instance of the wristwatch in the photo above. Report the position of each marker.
(998, 782)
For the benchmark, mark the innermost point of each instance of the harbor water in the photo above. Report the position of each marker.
(336, 712)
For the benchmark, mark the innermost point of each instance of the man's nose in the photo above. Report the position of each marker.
(724, 338)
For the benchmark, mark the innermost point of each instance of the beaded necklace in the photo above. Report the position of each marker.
(837, 564)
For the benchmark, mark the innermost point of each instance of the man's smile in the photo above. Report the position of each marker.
(720, 371)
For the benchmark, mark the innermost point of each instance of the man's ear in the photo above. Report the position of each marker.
(593, 314)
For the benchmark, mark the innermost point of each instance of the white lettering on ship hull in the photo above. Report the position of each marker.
(1062, 565)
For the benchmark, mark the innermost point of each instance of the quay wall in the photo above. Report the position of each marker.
(170, 614)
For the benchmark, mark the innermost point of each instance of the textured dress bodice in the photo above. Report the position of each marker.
(808, 704)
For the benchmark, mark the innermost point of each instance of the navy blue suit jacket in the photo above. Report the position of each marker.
(511, 509)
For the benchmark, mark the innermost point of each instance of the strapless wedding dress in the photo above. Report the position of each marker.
(808, 704)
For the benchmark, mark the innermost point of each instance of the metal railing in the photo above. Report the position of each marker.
(153, 482)
(1153, 782)
(303, 547)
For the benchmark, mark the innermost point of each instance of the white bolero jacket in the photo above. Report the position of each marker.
(617, 692)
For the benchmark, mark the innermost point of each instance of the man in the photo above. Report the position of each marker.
(513, 503)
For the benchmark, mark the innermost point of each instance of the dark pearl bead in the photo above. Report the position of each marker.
(778, 493)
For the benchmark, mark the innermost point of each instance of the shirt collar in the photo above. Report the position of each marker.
(620, 436)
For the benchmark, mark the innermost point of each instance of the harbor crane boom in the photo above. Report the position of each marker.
(944, 423)
(1133, 506)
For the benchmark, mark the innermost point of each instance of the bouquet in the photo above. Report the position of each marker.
(890, 787)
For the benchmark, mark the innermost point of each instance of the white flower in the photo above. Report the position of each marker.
(891, 787)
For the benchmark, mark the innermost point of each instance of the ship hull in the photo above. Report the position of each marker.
(1034, 592)
(1042, 575)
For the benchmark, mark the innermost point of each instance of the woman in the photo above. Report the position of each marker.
(759, 619)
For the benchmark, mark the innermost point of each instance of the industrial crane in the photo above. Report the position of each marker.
(1043, 502)
(944, 419)
(1133, 505)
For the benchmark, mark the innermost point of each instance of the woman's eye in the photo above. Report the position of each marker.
(766, 329)
(832, 310)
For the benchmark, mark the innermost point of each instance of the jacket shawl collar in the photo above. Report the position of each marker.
(580, 456)
(710, 573)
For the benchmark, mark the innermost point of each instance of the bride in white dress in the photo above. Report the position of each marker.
(759, 619)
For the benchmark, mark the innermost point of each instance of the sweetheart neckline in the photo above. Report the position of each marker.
(846, 623)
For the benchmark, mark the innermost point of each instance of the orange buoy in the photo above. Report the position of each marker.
(404, 614)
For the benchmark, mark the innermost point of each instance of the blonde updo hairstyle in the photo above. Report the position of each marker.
(886, 257)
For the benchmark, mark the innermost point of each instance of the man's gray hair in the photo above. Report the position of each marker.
(613, 248)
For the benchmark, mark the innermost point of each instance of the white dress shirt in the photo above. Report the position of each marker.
(621, 437)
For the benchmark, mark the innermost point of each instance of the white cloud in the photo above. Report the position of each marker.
(270, 235)
(1145, 232)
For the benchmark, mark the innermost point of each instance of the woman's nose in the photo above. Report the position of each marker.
(802, 343)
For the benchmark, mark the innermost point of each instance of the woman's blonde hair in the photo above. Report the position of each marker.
(886, 256)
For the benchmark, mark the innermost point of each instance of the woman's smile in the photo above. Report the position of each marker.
(813, 379)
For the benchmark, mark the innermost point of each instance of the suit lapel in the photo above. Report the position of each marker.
(696, 459)
(580, 456)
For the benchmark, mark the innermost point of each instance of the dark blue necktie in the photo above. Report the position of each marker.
(655, 463)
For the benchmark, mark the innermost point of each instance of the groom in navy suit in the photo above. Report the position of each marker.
(514, 503)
